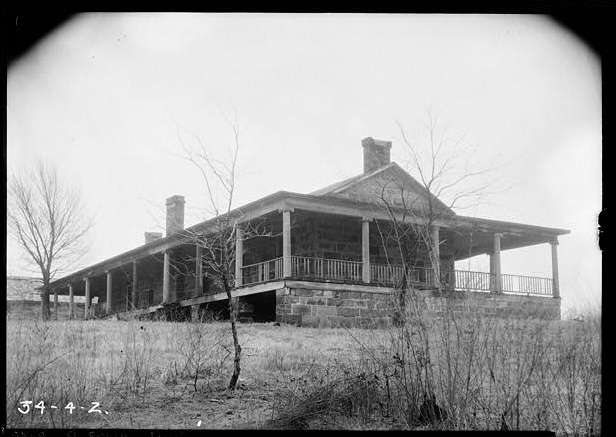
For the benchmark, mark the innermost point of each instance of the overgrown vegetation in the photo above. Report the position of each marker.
(467, 372)
(484, 373)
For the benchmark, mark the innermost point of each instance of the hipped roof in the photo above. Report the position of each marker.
(341, 198)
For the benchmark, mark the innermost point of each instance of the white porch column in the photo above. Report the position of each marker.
(555, 284)
(436, 242)
(166, 263)
(239, 255)
(492, 271)
(71, 302)
(134, 296)
(497, 264)
(198, 271)
(286, 243)
(365, 249)
(109, 285)
(55, 302)
(88, 299)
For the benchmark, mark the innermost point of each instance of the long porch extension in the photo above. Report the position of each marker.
(341, 271)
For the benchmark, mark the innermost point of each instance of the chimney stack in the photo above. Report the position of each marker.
(175, 214)
(152, 236)
(376, 153)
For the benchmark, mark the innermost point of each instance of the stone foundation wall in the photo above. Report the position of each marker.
(493, 305)
(331, 308)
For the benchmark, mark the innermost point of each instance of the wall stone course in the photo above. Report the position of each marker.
(316, 301)
(352, 308)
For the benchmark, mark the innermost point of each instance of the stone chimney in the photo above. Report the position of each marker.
(376, 153)
(152, 236)
(175, 214)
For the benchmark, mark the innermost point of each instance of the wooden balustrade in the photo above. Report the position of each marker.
(527, 285)
(392, 275)
(324, 268)
(262, 272)
(467, 280)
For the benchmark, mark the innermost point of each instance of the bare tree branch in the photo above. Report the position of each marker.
(48, 222)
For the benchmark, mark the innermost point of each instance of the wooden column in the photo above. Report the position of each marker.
(55, 302)
(109, 287)
(436, 242)
(365, 249)
(166, 263)
(134, 296)
(71, 302)
(198, 271)
(492, 272)
(286, 243)
(497, 264)
(555, 284)
(88, 299)
(239, 256)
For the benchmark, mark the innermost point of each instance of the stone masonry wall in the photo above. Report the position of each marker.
(330, 308)
(493, 305)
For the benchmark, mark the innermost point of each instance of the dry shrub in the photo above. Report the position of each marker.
(325, 397)
(458, 371)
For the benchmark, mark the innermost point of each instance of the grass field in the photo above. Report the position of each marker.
(484, 374)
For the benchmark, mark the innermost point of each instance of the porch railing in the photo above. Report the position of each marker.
(468, 281)
(526, 285)
(324, 268)
(262, 272)
(387, 274)
(392, 275)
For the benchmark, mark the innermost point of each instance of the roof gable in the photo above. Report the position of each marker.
(389, 185)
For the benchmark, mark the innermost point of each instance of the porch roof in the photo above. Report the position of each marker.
(514, 234)
(475, 236)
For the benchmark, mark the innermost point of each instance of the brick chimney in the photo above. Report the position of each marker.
(152, 236)
(175, 214)
(376, 153)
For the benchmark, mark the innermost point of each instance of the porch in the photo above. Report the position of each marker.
(352, 272)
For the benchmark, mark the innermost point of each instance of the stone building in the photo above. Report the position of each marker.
(23, 299)
(336, 256)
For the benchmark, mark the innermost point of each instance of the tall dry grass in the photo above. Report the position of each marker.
(459, 371)
(112, 363)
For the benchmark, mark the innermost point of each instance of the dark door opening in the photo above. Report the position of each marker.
(263, 306)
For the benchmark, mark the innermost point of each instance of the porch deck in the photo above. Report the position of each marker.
(335, 270)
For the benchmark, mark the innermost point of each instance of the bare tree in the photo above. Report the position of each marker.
(218, 239)
(448, 177)
(48, 221)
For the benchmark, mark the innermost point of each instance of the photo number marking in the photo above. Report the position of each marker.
(26, 407)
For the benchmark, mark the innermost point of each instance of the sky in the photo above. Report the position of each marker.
(109, 99)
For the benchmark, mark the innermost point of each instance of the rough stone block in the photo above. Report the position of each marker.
(306, 293)
(348, 312)
(316, 301)
(300, 309)
(326, 311)
(335, 302)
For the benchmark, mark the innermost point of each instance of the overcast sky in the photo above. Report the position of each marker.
(106, 98)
